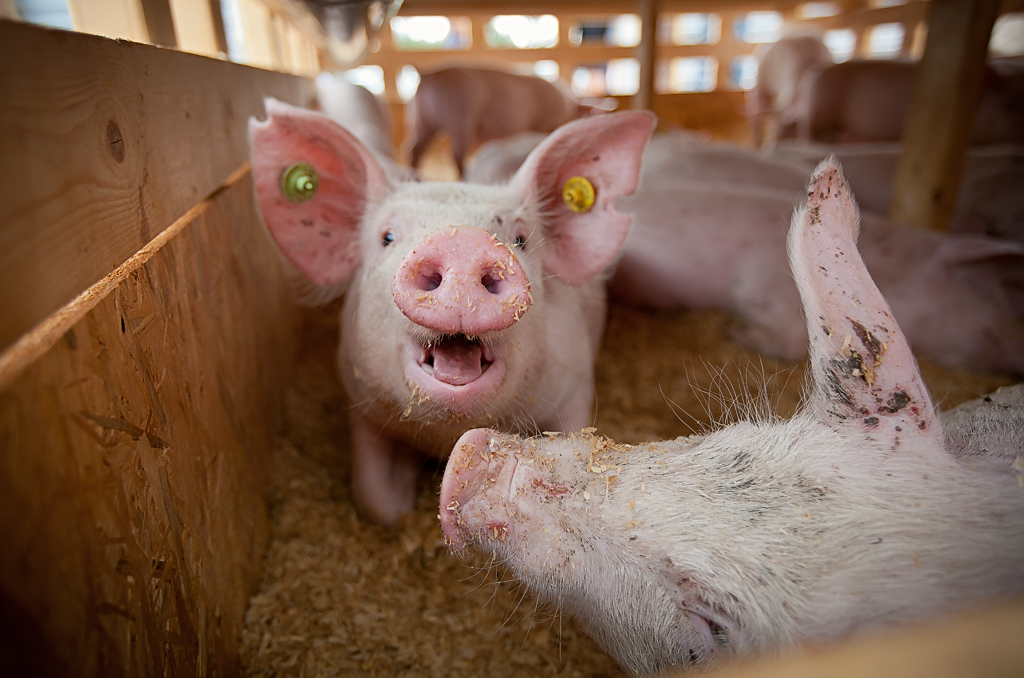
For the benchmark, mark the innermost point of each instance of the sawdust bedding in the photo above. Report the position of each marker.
(342, 597)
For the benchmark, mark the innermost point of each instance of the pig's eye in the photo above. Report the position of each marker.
(520, 242)
(387, 238)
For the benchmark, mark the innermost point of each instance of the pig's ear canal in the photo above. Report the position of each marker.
(313, 181)
(865, 375)
(575, 175)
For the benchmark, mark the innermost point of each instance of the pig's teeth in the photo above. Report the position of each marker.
(427, 360)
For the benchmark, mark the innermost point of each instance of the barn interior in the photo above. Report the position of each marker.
(175, 469)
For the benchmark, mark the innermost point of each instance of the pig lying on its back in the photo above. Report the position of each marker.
(764, 534)
(465, 305)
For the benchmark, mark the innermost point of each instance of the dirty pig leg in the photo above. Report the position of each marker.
(383, 473)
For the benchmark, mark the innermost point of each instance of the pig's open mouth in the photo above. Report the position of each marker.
(456, 360)
(461, 374)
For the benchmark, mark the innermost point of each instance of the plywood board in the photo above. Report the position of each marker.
(133, 455)
(103, 144)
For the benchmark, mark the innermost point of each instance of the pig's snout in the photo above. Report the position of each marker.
(462, 281)
(472, 469)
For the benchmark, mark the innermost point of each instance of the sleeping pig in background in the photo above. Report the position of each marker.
(766, 533)
(959, 298)
(465, 305)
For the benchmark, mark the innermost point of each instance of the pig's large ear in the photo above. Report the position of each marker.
(575, 175)
(313, 181)
(866, 379)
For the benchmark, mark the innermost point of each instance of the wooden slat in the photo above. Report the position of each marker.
(103, 145)
(982, 643)
(462, 7)
(135, 451)
(112, 18)
(159, 23)
(257, 26)
(938, 126)
(199, 26)
(726, 49)
(862, 18)
(647, 52)
(9, 9)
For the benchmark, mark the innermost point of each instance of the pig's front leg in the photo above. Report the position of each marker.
(574, 414)
(383, 473)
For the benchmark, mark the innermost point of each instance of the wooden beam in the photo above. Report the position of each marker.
(462, 7)
(102, 145)
(725, 50)
(647, 52)
(942, 107)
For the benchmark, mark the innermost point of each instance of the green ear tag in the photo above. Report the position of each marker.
(578, 194)
(299, 182)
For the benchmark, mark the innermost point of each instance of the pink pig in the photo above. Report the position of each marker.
(465, 305)
(773, 101)
(473, 105)
(868, 100)
(856, 513)
(958, 298)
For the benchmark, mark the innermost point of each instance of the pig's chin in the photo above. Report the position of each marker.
(460, 373)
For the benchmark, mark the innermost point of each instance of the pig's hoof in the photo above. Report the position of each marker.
(385, 507)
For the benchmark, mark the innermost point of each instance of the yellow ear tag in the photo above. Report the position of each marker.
(578, 194)
(299, 182)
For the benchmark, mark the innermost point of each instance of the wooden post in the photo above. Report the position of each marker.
(727, 49)
(938, 125)
(647, 53)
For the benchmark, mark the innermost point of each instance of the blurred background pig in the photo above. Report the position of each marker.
(473, 105)
(858, 512)
(465, 305)
(782, 67)
(868, 100)
(990, 200)
(958, 298)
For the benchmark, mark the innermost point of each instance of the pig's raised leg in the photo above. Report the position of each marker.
(383, 473)
(867, 380)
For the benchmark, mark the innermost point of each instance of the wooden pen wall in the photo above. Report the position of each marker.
(145, 334)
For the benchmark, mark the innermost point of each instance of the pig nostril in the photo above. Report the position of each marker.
(429, 282)
(491, 283)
